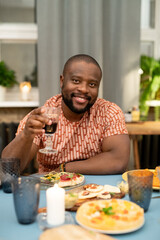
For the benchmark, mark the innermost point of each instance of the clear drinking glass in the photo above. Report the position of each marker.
(53, 114)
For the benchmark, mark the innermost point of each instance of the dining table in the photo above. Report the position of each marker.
(10, 229)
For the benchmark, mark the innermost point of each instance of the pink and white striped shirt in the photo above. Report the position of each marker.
(79, 140)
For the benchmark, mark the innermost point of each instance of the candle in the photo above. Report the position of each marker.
(25, 88)
(25, 93)
(55, 205)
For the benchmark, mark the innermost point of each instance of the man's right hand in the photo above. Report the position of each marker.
(22, 145)
(36, 122)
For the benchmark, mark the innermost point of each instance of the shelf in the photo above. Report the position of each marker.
(13, 99)
(11, 104)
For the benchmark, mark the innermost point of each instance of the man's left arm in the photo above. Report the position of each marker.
(113, 159)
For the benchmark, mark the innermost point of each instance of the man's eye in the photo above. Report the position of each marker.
(75, 80)
(92, 85)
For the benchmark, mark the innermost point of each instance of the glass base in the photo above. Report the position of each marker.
(47, 150)
(43, 224)
(7, 187)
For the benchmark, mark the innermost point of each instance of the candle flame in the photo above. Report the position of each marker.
(25, 86)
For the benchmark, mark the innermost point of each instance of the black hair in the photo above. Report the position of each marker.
(81, 57)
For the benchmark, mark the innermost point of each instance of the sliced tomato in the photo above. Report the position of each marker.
(65, 177)
(78, 175)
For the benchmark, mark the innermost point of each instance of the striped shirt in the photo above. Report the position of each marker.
(82, 139)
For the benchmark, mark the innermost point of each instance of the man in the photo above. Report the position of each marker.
(91, 136)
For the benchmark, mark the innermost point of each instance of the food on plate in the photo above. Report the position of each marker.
(156, 180)
(70, 179)
(112, 189)
(104, 194)
(81, 195)
(93, 187)
(123, 186)
(70, 200)
(110, 215)
(51, 177)
(99, 191)
(72, 232)
(84, 194)
(64, 179)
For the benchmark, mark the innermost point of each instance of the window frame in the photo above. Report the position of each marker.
(153, 34)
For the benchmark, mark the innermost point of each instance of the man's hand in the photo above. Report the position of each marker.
(22, 145)
(36, 122)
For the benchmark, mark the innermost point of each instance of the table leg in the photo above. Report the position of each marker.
(136, 152)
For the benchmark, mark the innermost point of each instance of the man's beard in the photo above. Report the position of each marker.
(70, 105)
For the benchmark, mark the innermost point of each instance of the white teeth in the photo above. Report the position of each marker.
(81, 99)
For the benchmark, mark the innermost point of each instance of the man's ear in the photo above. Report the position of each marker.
(61, 80)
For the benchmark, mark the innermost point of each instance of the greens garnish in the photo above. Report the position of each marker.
(72, 195)
(70, 176)
(112, 193)
(78, 174)
(108, 211)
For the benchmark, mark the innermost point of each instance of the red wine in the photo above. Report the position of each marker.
(49, 129)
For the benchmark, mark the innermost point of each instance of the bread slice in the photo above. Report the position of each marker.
(72, 232)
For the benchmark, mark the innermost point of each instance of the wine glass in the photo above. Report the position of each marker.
(53, 114)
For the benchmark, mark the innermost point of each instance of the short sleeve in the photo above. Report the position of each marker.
(114, 121)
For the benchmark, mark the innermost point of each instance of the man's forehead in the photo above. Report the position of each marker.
(81, 65)
(81, 69)
(80, 61)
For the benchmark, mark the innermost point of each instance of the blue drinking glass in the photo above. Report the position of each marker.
(9, 170)
(140, 187)
(26, 191)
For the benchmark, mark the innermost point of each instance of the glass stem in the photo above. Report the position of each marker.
(48, 141)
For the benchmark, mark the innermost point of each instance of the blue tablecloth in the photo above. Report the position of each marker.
(10, 229)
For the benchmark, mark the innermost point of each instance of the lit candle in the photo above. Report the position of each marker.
(25, 92)
(25, 88)
(55, 205)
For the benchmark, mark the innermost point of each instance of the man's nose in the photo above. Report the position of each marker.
(83, 87)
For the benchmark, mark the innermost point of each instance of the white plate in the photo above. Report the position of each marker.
(46, 184)
(111, 231)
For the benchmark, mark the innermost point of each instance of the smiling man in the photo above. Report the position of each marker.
(91, 136)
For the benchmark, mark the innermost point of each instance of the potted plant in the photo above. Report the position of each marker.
(7, 79)
(150, 84)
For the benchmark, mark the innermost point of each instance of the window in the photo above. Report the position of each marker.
(150, 28)
(18, 11)
(18, 38)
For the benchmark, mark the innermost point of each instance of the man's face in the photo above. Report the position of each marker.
(80, 86)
